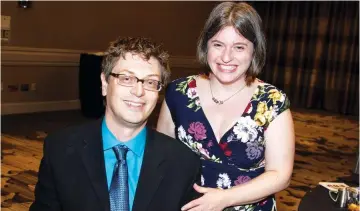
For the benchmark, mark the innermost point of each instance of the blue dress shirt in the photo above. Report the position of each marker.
(134, 157)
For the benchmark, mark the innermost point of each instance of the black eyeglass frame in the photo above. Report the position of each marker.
(160, 85)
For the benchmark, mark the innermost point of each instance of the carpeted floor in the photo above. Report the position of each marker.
(326, 149)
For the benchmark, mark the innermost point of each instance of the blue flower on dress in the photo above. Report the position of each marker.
(253, 150)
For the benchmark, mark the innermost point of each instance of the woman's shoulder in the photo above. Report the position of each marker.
(268, 89)
(182, 84)
(182, 80)
(182, 92)
(179, 87)
(270, 101)
(271, 94)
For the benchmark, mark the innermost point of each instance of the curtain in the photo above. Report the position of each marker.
(313, 53)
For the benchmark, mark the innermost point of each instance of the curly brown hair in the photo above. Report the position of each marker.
(140, 46)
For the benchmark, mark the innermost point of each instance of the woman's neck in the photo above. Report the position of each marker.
(223, 88)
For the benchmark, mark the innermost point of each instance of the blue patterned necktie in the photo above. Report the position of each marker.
(119, 189)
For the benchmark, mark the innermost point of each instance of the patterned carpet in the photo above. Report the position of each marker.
(326, 149)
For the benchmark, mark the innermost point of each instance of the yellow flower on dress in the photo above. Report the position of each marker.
(275, 95)
(260, 119)
(261, 113)
(268, 114)
(262, 107)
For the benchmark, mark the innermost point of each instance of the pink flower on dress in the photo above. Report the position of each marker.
(198, 129)
(263, 203)
(242, 179)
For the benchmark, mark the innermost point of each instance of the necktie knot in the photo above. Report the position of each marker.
(120, 152)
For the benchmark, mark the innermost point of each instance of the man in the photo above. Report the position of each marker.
(117, 163)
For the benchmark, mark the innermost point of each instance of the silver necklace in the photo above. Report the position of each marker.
(220, 102)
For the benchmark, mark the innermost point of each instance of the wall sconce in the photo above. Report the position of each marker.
(24, 4)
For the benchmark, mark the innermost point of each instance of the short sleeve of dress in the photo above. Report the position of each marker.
(270, 102)
(278, 101)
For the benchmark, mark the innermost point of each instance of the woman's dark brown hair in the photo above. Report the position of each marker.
(247, 21)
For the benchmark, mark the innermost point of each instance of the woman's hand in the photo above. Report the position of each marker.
(213, 200)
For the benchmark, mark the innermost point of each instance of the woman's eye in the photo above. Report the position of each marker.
(239, 48)
(217, 45)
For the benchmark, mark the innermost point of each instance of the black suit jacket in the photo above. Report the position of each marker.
(72, 173)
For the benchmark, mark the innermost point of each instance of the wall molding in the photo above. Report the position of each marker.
(46, 57)
(32, 107)
(25, 56)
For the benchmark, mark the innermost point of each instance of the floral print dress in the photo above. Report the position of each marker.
(239, 156)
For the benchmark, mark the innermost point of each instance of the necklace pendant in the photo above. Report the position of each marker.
(219, 102)
(215, 100)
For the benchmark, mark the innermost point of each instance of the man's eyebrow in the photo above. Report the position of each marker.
(132, 73)
(126, 70)
(151, 75)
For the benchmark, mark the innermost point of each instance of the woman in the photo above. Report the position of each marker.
(233, 120)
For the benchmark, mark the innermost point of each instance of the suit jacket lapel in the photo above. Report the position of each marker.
(151, 173)
(92, 155)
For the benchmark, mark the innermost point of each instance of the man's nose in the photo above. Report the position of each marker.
(138, 89)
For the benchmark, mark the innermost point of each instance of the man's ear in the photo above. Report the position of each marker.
(104, 84)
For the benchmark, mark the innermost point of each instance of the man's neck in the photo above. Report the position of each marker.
(121, 130)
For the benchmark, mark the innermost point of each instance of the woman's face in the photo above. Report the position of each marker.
(229, 55)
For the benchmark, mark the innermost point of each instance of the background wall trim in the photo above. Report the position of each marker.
(32, 107)
(24, 56)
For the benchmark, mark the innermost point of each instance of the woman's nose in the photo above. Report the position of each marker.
(227, 55)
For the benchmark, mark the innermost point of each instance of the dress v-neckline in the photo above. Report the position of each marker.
(235, 122)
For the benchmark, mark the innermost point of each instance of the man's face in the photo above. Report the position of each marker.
(131, 106)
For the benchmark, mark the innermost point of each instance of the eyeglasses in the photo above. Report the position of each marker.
(130, 81)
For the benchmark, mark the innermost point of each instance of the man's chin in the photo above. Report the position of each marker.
(135, 122)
